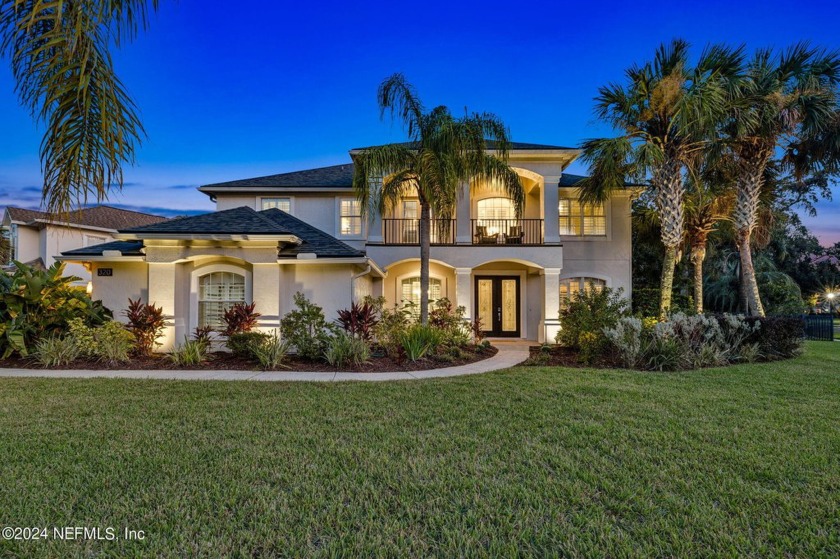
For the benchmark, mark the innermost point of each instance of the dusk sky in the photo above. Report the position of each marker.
(270, 87)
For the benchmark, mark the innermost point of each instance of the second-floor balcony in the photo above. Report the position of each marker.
(498, 232)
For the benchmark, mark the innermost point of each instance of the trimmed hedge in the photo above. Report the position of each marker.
(779, 337)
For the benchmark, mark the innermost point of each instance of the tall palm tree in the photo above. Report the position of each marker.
(666, 113)
(64, 75)
(783, 101)
(443, 152)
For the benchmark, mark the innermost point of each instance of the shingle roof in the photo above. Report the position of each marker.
(236, 221)
(335, 176)
(127, 248)
(314, 240)
(242, 220)
(570, 180)
(103, 217)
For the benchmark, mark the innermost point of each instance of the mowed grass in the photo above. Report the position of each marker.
(529, 461)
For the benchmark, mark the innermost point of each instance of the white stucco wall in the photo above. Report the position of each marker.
(129, 281)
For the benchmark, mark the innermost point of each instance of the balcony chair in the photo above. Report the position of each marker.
(482, 238)
(515, 236)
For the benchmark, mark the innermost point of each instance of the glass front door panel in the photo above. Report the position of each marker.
(508, 304)
(485, 304)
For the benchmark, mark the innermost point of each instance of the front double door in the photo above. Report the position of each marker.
(497, 304)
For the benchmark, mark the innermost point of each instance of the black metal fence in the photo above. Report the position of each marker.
(819, 327)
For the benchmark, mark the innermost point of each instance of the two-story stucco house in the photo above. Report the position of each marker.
(36, 238)
(304, 231)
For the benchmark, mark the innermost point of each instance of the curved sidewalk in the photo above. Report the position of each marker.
(509, 355)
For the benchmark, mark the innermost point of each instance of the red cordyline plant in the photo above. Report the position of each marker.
(359, 320)
(146, 322)
(240, 318)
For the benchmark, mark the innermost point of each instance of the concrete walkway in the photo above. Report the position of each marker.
(509, 355)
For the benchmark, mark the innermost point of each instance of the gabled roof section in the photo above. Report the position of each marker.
(236, 221)
(314, 241)
(99, 217)
(568, 180)
(127, 248)
(334, 176)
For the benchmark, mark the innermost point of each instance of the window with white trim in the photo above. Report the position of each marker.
(10, 239)
(350, 220)
(495, 208)
(582, 220)
(569, 287)
(411, 292)
(283, 204)
(218, 291)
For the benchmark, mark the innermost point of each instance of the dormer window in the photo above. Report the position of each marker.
(283, 204)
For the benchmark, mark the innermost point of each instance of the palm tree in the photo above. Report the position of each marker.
(64, 75)
(666, 114)
(783, 102)
(443, 152)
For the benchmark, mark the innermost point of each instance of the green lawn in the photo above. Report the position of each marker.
(721, 462)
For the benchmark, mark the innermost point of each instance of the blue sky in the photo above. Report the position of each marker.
(269, 87)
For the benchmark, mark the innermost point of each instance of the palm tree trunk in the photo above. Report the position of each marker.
(425, 253)
(745, 217)
(698, 255)
(669, 203)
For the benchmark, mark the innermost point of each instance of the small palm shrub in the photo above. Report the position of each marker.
(56, 351)
(307, 329)
(240, 318)
(271, 352)
(110, 343)
(344, 349)
(583, 321)
(418, 341)
(244, 344)
(359, 320)
(146, 322)
(190, 353)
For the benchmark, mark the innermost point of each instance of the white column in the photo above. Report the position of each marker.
(550, 195)
(550, 323)
(463, 229)
(266, 293)
(162, 294)
(463, 291)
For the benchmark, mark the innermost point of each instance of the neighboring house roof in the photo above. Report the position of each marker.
(236, 221)
(100, 217)
(313, 239)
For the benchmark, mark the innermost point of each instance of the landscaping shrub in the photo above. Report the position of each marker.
(56, 351)
(36, 304)
(190, 353)
(240, 318)
(146, 322)
(778, 337)
(450, 321)
(271, 352)
(392, 326)
(583, 321)
(110, 343)
(203, 334)
(419, 340)
(359, 320)
(244, 344)
(626, 340)
(307, 329)
(343, 349)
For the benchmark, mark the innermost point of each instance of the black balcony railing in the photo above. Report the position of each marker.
(507, 231)
(407, 231)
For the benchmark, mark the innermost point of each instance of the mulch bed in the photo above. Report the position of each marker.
(226, 361)
(558, 356)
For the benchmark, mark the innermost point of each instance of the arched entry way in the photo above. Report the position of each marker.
(505, 297)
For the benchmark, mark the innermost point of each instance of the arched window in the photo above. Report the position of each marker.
(411, 292)
(496, 208)
(569, 287)
(218, 291)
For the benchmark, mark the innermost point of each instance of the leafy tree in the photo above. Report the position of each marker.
(443, 152)
(59, 53)
(784, 102)
(666, 113)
